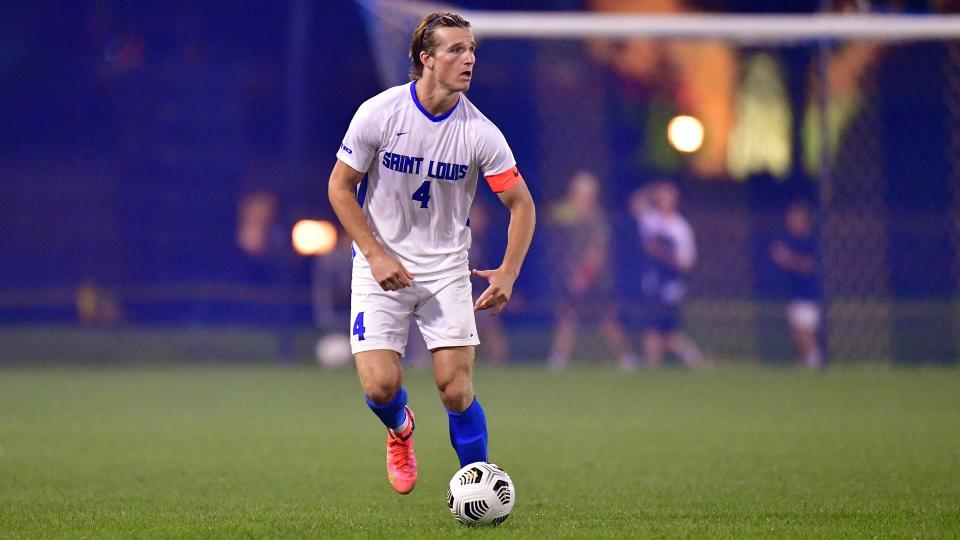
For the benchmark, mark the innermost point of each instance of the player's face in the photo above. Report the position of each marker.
(799, 221)
(665, 198)
(454, 58)
(584, 191)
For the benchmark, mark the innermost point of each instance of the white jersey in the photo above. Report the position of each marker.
(421, 177)
(675, 230)
(661, 280)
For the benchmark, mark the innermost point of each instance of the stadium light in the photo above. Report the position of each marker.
(314, 237)
(685, 133)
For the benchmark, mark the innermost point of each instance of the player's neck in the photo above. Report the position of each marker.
(434, 98)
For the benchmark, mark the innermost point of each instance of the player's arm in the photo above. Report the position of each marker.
(661, 250)
(342, 189)
(792, 261)
(680, 252)
(523, 219)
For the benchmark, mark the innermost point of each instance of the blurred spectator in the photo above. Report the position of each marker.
(580, 240)
(261, 236)
(255, 218)
(669, 250)
(97, 305)
(494, 344)
(795, 254)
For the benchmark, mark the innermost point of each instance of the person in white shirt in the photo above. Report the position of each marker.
(670, 252)
(402, 186)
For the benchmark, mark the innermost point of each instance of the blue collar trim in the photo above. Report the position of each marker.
(413, 94)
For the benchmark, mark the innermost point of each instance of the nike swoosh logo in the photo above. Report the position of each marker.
(402, 133)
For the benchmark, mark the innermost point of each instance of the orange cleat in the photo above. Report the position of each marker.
(401, 461)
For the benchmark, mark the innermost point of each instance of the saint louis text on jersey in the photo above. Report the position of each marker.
(439, 170)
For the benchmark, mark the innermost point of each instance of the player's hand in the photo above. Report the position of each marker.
(656, 247)
(780, 253)
(498, 293)
(389, 273)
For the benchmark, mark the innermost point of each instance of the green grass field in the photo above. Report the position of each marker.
(293, 452)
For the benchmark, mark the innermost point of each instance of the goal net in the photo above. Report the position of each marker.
(855, 114)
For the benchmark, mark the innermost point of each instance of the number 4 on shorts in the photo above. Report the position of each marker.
(358, 328)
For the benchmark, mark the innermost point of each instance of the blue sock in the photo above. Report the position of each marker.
(468, 433)
(393, 413)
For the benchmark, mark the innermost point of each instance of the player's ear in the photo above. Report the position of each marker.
(423, 60)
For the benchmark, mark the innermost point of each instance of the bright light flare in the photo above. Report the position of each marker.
(685, 133)
(314, 237)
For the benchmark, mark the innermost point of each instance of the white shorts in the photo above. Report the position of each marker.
(804, 314)
(443, 310)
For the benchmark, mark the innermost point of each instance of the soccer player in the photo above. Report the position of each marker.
(668, 244)
(405, 178)
(796, 254)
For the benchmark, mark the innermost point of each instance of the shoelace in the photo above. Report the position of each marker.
(398, 452)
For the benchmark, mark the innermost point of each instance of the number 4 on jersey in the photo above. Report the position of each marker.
(422, 194)
(358, 328)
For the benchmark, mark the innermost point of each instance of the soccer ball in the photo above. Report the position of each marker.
(481, 493)
(333, 350)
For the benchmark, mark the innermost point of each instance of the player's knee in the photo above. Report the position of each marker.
(456, 393)
(381, 392)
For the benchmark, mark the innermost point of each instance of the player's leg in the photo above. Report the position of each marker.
(807, 348)
(674, 340)
(685, 348)
(564, 337)
(679, 343)
(381, 320)
(654, 347)
(804, 318)
(447, 321)
(612, 331)
(453, 372)
(381, 378)
(655, 319)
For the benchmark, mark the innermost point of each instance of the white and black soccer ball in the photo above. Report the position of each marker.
(481, 493)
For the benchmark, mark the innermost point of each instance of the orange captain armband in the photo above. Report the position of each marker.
(505, 180)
